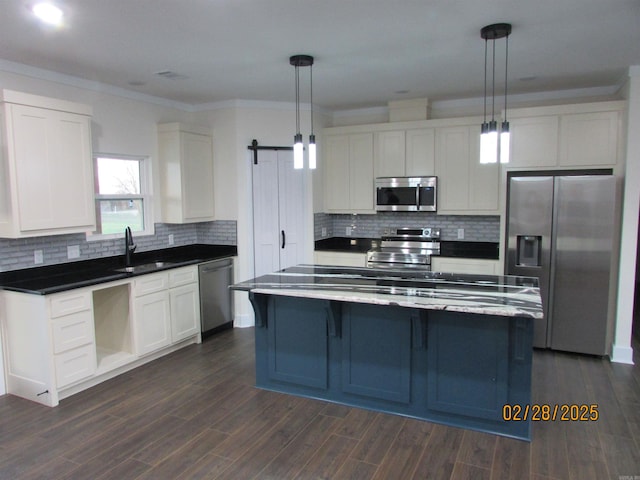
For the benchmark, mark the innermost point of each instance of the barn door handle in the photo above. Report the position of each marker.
(284, 238)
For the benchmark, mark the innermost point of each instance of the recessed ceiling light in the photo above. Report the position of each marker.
(48, 13)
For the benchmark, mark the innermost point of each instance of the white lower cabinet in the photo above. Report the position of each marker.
(59, 344)
(344, 259)
(152, 322)
(166, 308)
(75, 365)
(473, 266)
(185, 311)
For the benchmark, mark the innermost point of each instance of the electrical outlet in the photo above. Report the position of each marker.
(38, 257)
(73, 251)
(461, 234)
(324, 231)
(348, 231)
(171, 241)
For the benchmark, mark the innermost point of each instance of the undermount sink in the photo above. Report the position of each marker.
(145, 267)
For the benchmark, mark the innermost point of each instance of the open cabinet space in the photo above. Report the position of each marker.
(112, 327)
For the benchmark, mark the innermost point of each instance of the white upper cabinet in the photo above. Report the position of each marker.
(405, 153)
(589, 139)
(534, 141)
(420, 152)
(465, 186)
(566, 136)
(348, 180)
(390, 154)
(46, 168)
(186, 173)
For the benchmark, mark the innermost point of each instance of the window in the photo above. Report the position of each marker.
(122, 195)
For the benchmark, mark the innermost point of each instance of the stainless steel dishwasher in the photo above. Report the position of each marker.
(216, 300)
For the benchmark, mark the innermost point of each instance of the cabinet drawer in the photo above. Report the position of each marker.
(72, 331)
(151, 283)
(183, 276)
(75, 365)
(66, 304)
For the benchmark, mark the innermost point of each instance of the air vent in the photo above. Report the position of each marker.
(168, 74)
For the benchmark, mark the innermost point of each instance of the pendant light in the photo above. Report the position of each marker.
(490, 148)
(298, 149)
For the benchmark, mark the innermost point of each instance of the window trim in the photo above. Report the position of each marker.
(146, 195)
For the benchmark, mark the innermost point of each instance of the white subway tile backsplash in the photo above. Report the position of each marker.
(476, 228)
(18, 253)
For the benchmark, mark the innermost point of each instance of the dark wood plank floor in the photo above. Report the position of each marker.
(195, 414)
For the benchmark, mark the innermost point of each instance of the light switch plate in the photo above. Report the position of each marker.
(324, 231)
(73, 251)
(38, 258)
(348, 231)
(171, 240)
(461, 234)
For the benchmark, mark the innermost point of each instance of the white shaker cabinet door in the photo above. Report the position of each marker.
(420, 152)
(152, 322)
(336, 182)
(589, 139)
(361, 176)
(185, 312)
(390, 154)
(52, 152)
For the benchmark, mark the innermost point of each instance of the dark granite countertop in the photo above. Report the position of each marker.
(480, 250)
(347, 244)
(508, 296)
(448, 248)
(70, 275)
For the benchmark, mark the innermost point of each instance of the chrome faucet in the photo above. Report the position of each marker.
(129, 246)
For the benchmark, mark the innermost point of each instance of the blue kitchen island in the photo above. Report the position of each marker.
(447, 348)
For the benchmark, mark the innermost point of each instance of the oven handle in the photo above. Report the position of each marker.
(418, 197)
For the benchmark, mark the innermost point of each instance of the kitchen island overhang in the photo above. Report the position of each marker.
(448, 348)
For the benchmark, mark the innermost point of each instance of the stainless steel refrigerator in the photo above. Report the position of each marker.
(561, 230)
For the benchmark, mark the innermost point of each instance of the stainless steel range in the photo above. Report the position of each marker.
(406, 248)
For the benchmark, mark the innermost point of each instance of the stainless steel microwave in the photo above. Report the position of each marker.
(406, 194)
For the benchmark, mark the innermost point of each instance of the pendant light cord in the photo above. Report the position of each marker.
(506, 69)
(493, 82)
(311, 94)
(485, 80)
(297, 100)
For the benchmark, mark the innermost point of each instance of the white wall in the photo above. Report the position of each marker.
(622, 351)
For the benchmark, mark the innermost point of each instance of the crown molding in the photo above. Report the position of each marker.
(73, 81)
(514, 100)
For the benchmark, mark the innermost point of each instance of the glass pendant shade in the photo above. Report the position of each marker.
(505, 142)
(312, 152)
(298, 152)
(489, 142)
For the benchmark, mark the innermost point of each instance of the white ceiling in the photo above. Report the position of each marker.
(366, 51)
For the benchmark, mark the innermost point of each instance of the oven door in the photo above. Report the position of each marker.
(379, 259)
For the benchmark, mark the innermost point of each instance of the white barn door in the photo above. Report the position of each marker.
(278, 212)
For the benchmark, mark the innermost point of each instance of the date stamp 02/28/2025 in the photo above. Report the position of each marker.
(572, 412)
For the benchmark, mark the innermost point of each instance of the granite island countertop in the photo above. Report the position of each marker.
(508, 296)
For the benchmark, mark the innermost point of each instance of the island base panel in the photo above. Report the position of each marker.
(447, 367)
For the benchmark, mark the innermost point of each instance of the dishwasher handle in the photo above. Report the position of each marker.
(284, 238)
(216, 265)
